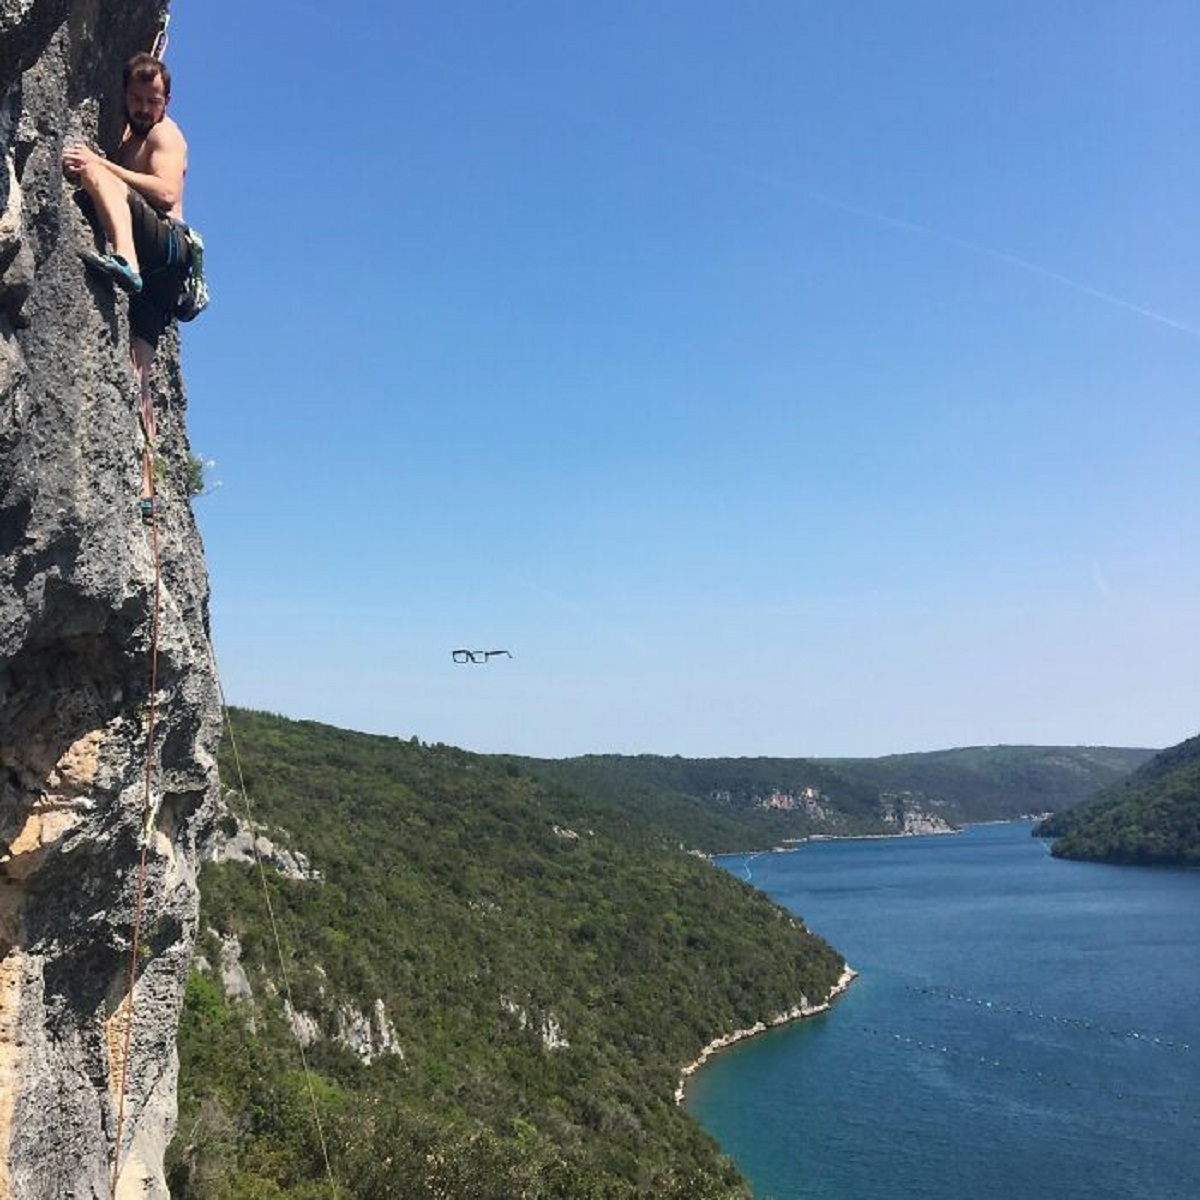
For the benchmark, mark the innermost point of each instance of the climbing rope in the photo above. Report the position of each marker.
(150, 514)
(279, 955)
(147, 421)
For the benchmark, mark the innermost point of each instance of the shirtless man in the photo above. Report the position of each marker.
(138, 196)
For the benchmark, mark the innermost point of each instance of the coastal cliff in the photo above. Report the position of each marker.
(93, 766)
(798, 1012)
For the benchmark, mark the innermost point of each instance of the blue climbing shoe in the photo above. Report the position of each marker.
(114, 267)
(147, 506)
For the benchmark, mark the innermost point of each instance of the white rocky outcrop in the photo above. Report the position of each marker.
(230, 970)
(368, 1035)
(548, 1026)
(903, 812)
(306, 1029)
(249, 844)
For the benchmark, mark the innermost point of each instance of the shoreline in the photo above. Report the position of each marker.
(787, 845)
(792, 843)
(798, 1013)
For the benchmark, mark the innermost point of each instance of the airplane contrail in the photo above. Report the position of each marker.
(1003, 256)
(950, 239)
(913, 227)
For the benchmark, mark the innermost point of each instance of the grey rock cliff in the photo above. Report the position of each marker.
(77, 611)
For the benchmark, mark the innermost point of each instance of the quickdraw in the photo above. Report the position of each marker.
(161, 40)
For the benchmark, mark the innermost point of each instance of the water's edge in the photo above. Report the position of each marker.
(797, 1013)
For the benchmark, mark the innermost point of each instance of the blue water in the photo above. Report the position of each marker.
(1022, 1028)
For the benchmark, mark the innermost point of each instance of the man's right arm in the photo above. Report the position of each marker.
(166, 157)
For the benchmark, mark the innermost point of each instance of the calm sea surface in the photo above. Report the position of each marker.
(1022, 1028)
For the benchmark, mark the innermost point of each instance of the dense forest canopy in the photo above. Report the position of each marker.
(546, 964)
(1150, 819)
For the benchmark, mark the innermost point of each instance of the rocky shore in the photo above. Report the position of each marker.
(797, 1013)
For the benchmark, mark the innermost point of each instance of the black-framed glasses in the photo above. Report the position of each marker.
(478, 656)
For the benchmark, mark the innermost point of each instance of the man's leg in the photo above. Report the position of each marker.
(110, 195)
(142, 353)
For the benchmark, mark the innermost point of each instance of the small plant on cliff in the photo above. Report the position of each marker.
(197, 482)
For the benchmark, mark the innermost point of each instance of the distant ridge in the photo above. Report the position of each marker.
(721, 804)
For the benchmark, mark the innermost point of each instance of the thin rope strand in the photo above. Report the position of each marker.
(283, 973)
(147, 808)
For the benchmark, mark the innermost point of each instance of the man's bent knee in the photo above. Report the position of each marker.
(98, 181)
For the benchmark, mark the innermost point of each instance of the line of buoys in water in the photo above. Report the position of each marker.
(1046, 1078)
(1033, 1015)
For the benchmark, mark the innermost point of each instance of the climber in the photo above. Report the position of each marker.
(138, 196)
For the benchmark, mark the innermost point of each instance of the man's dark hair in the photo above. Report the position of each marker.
(143, 68)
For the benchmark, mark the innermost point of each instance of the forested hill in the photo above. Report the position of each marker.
(752, 803)
(991, 783)
(1152, 818)
(498, 982)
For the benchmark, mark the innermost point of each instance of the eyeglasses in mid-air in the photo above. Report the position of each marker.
(477, 656)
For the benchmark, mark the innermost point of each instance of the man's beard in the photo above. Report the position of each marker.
(141, 128)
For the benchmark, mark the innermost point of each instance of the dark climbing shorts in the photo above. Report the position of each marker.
(162, 251)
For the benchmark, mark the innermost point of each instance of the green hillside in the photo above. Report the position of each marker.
(719, 804)
(1150, 819)
(754, 803)
(546, 964)
(996, 783)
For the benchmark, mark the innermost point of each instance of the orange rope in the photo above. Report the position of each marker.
(127, 1046)
(148, 428)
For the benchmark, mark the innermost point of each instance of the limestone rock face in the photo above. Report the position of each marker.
(77, 635)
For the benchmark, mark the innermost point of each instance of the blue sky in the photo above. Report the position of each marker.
(768, 377)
